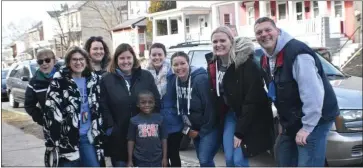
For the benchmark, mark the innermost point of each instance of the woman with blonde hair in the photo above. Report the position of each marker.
(240, 98)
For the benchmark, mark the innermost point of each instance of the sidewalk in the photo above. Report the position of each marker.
(20, 149)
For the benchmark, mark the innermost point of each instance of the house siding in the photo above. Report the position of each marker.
(227, 9)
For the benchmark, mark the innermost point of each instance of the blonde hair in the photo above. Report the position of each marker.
(226, 30)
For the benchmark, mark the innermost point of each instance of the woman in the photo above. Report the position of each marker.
(120, 87)
(73, 122)
(240, 98)
(196, 108)
(38, 85)
(164, 80)
(99, 54)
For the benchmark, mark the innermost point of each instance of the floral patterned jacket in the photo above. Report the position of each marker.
(62, 114)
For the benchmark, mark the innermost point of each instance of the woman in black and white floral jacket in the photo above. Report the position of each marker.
(72, 118)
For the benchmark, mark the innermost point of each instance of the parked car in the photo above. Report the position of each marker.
(344, 145)
(4, 95)
(18, 78)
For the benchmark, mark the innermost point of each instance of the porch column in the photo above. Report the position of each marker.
(214, 17)
(155, 27)
(237, 11)
(262, 6)
(137, 42)
(168, 25)
(182, 26)
(291, 11)
(323, 8)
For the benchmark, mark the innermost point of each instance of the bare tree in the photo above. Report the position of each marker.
(65, 36)
(110, 13)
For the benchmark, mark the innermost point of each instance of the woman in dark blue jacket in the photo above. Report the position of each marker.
(196, 108)
(165, 82)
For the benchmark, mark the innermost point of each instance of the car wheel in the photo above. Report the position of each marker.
(184, 144)
(12, 102)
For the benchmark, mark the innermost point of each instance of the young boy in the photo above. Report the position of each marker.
(147, 136)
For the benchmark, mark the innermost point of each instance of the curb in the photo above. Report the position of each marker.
(13, 111)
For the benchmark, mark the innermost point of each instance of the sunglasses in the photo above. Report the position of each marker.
(47, 60)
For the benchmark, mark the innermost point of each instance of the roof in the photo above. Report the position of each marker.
(54, 14)
(77, 5)
(141, 21)
(188, 10)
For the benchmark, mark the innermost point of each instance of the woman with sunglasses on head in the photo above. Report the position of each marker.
(120, 86)
(99, 54)
(196, 108)
(38, 85)
(164, 80)
(72, 118)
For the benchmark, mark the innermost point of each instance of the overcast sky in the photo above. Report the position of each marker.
(20, 10)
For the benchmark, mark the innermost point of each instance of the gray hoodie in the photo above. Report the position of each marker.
(310, 84)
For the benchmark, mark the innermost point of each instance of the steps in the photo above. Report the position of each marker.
(346, 52)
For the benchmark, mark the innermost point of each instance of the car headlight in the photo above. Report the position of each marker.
(350, 115)
(349, 121)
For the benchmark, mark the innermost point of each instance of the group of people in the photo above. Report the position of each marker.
(99, 105)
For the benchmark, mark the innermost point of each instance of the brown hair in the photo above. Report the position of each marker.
(158, 45)
(45, 52)
(179, 54)
(106, 58)
(72, 50)
(119, 50)
(265, 19)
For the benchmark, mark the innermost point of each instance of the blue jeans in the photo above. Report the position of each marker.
(289, 154)
(87, 153)
(118, 163)
(233, 156)
(207, 147)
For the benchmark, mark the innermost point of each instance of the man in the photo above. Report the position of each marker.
(304, 98)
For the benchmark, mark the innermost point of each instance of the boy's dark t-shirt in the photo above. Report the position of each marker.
(147, 131)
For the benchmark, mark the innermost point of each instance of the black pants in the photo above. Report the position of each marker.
(174, 140)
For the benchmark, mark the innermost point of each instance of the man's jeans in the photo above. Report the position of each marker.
(289, 154)
(234, 156)
(207, 147)
(118, 163)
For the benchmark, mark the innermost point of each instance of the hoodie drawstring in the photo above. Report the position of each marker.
(217, 82)
(188, 95)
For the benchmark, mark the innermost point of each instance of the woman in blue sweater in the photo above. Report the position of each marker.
(165, 82)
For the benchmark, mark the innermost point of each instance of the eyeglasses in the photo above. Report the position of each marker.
(77, 59)
(47, 60)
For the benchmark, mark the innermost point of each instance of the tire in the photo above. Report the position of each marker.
(12, 102)
(184, 143)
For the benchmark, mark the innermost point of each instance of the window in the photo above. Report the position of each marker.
(141, 38)
(316, 8)
(13, 72)
(227, 19)
(161, 27)
(338, 8)
(282, 11)
(26, 71)
(187, 27)
(299, 10)
(174, 26)
(201, 24)
(35, 67)
(251, 15)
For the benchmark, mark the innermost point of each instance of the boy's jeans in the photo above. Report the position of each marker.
(289, 154)
(234, 156)
(207, 147)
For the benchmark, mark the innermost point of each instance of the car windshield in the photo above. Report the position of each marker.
(34, 68)
(198, 59)
(329, 69)
(3, 74)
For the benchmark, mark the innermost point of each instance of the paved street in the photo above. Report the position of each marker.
(26, 143)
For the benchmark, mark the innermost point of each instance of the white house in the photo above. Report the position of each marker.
(188, 22)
